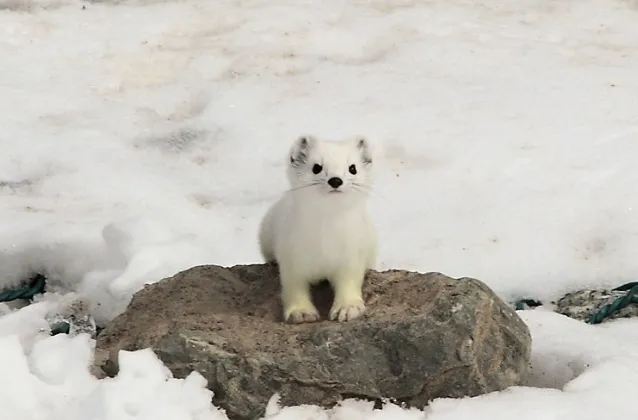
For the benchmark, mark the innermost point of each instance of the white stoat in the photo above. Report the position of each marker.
(320, 229)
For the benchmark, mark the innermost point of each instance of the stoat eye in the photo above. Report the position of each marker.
(352, 169)
(316, 168)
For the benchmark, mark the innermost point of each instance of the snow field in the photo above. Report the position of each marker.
(142, 138)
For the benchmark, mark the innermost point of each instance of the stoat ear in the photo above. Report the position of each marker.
(364, 147)
(300, 150)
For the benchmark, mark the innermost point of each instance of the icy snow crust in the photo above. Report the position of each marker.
(142, 138)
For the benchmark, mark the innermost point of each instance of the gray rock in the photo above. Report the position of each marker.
(423, 336)
(73, 318)
(582, 304)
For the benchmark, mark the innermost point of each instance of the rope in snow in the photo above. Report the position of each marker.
(623, 301)
(35, 286)
(605, 311)
(70, 318)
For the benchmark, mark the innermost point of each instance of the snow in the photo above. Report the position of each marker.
(141, 138)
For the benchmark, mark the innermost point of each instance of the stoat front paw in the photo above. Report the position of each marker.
(301, 314)
(347, 311)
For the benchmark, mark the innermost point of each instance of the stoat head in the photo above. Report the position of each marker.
(336, 170)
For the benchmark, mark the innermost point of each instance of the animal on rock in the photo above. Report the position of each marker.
(319, 229)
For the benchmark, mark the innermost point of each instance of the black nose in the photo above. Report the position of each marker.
(335, 182)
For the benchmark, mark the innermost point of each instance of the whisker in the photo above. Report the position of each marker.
(362, 189)
(367, 190)
(311, 184)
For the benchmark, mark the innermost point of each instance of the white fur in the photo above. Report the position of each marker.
(317, 232)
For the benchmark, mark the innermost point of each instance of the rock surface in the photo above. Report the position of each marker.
(582, 304)
(423, 336)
